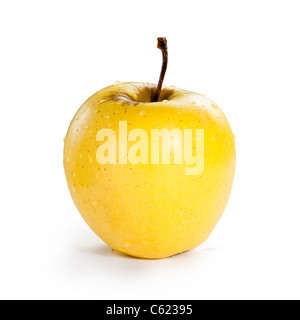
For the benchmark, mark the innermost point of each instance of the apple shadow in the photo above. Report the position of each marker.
(98, 258)
(105, 251)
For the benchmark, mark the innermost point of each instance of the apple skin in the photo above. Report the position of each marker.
(144, 210)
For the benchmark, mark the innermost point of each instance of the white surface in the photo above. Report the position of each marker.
(242, 54)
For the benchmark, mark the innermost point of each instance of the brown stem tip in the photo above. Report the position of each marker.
(162, 45)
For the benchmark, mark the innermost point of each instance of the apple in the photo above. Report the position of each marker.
(150, 172)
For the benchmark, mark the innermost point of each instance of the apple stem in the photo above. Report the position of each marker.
(162, 45)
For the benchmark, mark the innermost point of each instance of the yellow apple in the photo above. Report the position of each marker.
(144, 202)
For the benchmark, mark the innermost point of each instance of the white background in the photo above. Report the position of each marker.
(244, 55)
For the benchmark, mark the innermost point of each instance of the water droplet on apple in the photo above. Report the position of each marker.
(127, 244)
